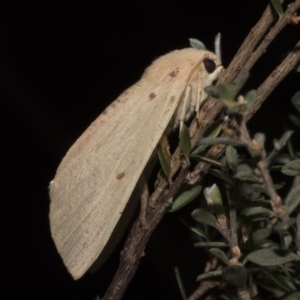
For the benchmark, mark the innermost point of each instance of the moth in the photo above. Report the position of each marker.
(100, 171)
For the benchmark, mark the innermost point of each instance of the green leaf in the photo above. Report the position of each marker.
(209, 160)
(295, 119)
(244, 173)
(214, 198)
(185, 197)
(282, 158)
(198, 150)
(194, 229)
(212, 91)
(180, 283)
(293, 199)
(277, 6)
(213, 130)
(291, 296)
(220, 255)
(221, 174)
(284, 225)
(210, 244)
(164, 159)
(260, 138)
(227, 94)
(278, 145)
(286, 240)
(242, 79)
(292, 168)
(276, 291)
(199, 232)
(197, 44)
(203, 216)
(237, 276)
(250, 98)
(251, 191)
(271, 283)
(260, 234)
(185, 141)
(231, 158)
(266, 244)
(279, 185)
(251, 211)
(271, 257)
(284, 139)
(209, 275)
(236, 108)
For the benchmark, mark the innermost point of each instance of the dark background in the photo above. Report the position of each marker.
(60, 66)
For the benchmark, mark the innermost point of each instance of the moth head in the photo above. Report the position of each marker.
(212, 67)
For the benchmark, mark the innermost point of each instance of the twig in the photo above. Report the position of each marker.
(275, 78)
(139, 235)
(212, 107)
(262, 165)
(235, 251)
(262, 93)
(204, 286)
(280, 24)
(276, 201)
(251, 41)
(244, 294)
(138, 238)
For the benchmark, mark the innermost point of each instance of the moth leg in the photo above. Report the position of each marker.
(200, 113)
(199, 95)
(186, 102)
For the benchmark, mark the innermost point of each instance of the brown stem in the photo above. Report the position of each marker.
(275, 78)
(262, 165)
(203, 288)
(248, 46)
(138, 238)
(276, 201)
(139, 235)
(280, 24)
(244, 293)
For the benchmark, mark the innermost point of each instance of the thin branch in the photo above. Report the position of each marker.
(275, 78)
(206, 285)
(244, 294)
(233, 223)
(203, 288)
(276, 201)
(262, 165)
(280, 24)
(138, 238)
(251, 41)
(139, 235)
(262, 93)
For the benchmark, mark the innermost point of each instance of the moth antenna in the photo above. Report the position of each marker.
(218, 45)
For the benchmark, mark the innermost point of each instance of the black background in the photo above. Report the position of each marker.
(60, 66)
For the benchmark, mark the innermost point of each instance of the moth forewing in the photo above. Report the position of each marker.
(98, 174)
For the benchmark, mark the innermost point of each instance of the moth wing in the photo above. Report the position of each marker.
(97, 176)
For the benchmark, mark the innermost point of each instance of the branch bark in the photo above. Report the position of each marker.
(139, 235)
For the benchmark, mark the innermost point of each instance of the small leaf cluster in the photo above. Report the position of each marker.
(254, 235)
